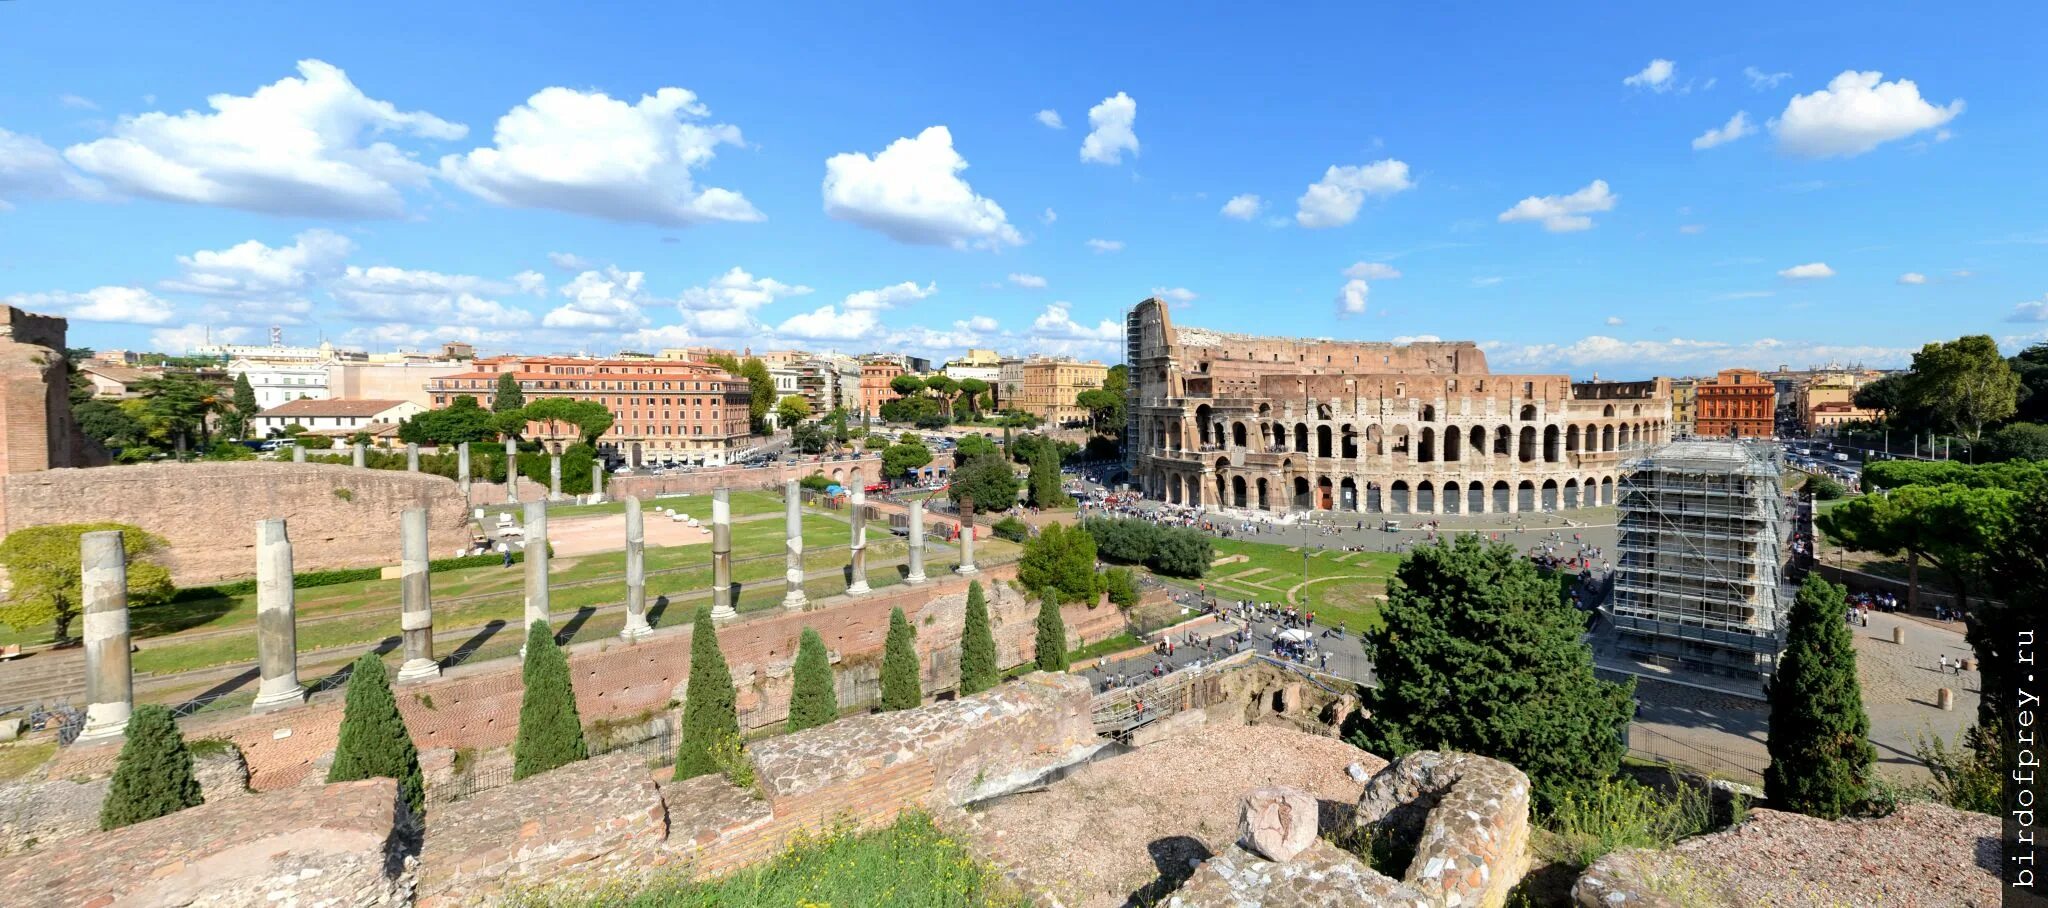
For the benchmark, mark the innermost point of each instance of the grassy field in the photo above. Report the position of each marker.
(908, 864)
(1342, 586)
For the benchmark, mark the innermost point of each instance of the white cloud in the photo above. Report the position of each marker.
(1109, 130)
(406, 295)
(1049, 216)
(912, 191)
(1372, 271)
(77, 102)
(293, 147)
(125, 305)
(1243, 207)
(1032, 281)
(1737, 127)
(589, 153)
(1912, 277)
(1566, 213)
(569, 261)
(407, 335)
(2030, 311)
(1416, 339)
(980, 324)
(185, 337)
(1807, 272)
(826, 323)
(1334, 201)
(888, 297)
(1763, 81)
(651, 339)
(1056, 324)
(1692, 229)
(1487, 281)
(30, 169)
(531, 282)
(1051, 118)
(1351, 299)
(1663, 355)
(600, 301)
(1174, 294)
(1614, 321)
(252, 270)
(736, 289)
(1655, 77)
(1106, 245)
(1856, 113)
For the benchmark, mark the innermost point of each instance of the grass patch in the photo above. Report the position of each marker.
(1343, 590)
(19, 759)
(909, 864)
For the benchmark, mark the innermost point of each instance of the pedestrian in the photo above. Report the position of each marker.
(502, 547)
(1944, 663)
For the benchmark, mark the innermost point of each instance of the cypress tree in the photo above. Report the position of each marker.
(509, 397)
(1052, 634)
(550, 730)
(1820, 736)
(154, 775)
(978, 671)
(710, 713)
(900, 688)
(374, 742)
(813, 700)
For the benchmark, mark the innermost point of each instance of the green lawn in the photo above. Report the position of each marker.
(1342, 586)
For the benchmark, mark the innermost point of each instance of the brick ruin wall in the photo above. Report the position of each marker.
(341, 517)
(701, 482)
(37, 431)
(477, 706)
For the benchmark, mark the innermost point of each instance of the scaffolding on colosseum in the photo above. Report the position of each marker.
(1700, 552)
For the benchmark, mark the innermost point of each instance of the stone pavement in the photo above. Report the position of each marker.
(1210, 641)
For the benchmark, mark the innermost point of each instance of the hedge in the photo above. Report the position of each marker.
(311, 579)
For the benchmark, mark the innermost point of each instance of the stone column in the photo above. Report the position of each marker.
(462, 469)
(109, 677)
(967, 537)
(596, 482)
(416, 591)
(636, 573)
(860, 542)
(357, 455)
(554, 477)
(536, 570)
(793, 533)
(721, 555)
(511, 471)
(298, 453)
(412, 457)
(277, 632)
(916, 574)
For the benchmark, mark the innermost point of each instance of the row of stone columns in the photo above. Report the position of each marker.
(359, 458)
(110, 676)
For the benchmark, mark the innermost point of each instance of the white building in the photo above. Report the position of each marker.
(319, 415)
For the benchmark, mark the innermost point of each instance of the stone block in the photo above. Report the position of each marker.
(1322, 876)
(1277, 822)
(593, 819)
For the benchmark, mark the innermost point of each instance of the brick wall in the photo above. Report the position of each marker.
(340, 516)
(37, 430)
(701, 482)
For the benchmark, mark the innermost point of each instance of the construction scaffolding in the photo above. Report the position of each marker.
(1700, 555)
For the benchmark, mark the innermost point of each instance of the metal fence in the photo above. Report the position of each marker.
(1650, 744)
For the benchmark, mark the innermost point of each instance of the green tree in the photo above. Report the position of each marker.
(1045, 491)
(813, 698)
(840, 433)
(2031, 365)
(900, 687)
(792, 409)
(510, 397)
(710, 710)
(153, 776)
(988, 480)
(577, 459)
(2018, 441)
(550, 729)
(374, 741)
(978, 668)
(1480, 655)
(1051, 646)
(1122, 585)
(109, 423)
(181, 404)
(1965, 384)
(244, 409)
(760, 386)
(906, 385)
(808, 438)
(973, 389)
(1820, 737)
(591, 419)
(970, 447)
(461, 421)
(44, 575)
(1061, 558)
(902, 457)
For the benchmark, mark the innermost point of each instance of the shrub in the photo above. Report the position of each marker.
(816, 482)
(813, 700)
(1591, 820)
(729, 755)
(710, 712)
(153, 776)
(1182, 552)
(1172, 551)
(315, 442)
(1825, 489)
(550, 730)
(1062, 559)
(1010, 528)
(1123, 587)
(988, 479)
(978, 669)
(374, 741)
(1051, 646)
(900, 688)
(1963, 777)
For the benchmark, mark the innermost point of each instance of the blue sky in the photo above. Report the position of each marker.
(1566, 187)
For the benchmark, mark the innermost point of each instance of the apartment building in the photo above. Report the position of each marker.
(676, 412)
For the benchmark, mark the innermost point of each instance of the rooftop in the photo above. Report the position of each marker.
(333, 406)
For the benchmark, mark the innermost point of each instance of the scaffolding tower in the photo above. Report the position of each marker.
(1701, 551)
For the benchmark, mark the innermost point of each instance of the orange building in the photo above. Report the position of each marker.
(663, 411)
(875, 376)
(1736, 403)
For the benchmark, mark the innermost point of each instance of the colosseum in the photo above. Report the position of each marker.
(1284, 424)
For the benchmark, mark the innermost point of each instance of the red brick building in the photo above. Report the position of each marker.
(1738, 403)
(664, 411)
